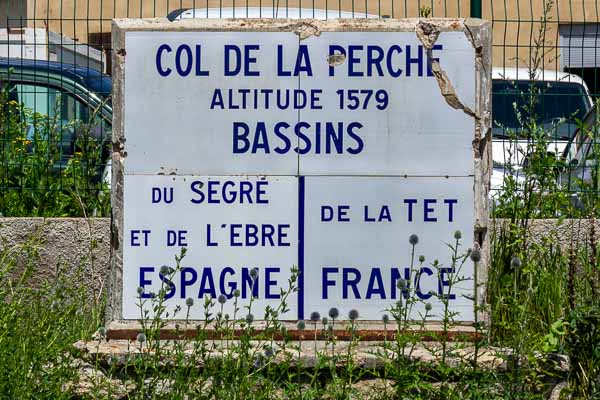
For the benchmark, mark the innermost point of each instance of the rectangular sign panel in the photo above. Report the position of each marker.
(356, 103)
(356, 242)
(265, 148)
(229, 225)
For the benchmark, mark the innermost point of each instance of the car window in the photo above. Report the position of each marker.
(51, 102)
(557, 107)
(70, 115)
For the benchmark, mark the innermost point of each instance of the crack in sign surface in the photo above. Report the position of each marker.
(428, 34)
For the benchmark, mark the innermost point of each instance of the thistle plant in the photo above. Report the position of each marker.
(454, 277)
(402, 310)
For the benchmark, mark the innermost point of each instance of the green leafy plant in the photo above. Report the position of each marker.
(36, 178)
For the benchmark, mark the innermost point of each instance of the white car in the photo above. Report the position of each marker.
(560, 100)
(582, 153)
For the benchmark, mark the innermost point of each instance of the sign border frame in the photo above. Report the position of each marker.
(477, 31)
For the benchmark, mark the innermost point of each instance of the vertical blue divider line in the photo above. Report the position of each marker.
(301, 247)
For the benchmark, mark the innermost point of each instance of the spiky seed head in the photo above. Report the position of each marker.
(140, 290)
(301, 325)
(385, 318)
(334, 313)
(141, 338)
(315, 316)
(324, 321)
(189, 302)
(166, 270)
(457, 235)
(353, 314)
(401, 284)
(249, 319)
(421, 259)
(516, 262)
(428, 307)
(101, 331)
(226, 316)
(253, 273)
(222, 299)
(269, 352)
(475, 255)
(236, 293)
(413, 239)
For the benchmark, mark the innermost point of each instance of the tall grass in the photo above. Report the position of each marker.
(38, 325)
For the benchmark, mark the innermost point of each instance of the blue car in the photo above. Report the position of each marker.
(64, 93)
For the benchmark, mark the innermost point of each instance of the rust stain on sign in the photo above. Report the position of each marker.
(336, 59)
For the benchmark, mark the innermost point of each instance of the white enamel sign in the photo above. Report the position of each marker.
(262, 150)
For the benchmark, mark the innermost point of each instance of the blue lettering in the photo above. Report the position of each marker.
(241, 144)
(183, 71)
(280, 70)
(196, 187)
(199, 71)
(335, 49)
(445, 282)
(375, 286)
(250, 60)
(260, 139)
(374, 60)
(420, 294)
(359, 142)
(167, 281)
(410, 203)
(418, 60)
(450, 203)
(207, 284)
(303, 61)
(269, 282)
(326, 282)
(217, 100)
(395, 73)
(350, 283)
(233, 66)
(232, 285)
(430, 60)
(144, 281)
(248, 282)
(185, 282)
(161, 71)
(287, 143)
(352, 60)
(135, 237)
(428, 210)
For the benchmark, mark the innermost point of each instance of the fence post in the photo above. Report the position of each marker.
(475, 8)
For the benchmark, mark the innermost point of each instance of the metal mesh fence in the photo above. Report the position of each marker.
(55, 61)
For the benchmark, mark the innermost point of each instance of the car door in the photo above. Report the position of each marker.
(55, 114)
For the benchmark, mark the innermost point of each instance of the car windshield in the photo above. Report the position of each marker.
(556, 107)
